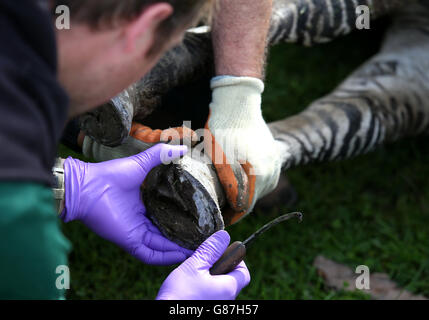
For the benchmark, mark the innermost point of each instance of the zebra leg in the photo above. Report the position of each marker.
(310, 22)
(384, 100)
(306, 22)
(110, 123)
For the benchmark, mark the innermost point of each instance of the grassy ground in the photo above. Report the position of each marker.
(371, 210)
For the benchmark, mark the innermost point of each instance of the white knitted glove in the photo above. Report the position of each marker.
(240, 134)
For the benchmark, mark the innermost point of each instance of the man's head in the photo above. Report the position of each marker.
(113, 43)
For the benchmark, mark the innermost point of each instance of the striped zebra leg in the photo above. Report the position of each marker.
(110, 123)
(306, 22)
(384, 100)
(310, 22)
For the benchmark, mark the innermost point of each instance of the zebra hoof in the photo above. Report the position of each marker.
(283, 195)
(110, 124)
(184, 210)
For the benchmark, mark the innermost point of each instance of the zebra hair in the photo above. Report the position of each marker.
(384, 100)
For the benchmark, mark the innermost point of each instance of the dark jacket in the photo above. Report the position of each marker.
(33, 106)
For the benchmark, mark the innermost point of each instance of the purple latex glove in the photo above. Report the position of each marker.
(106, 197)
(192, 279)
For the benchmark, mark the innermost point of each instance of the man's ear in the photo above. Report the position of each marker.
(140, 32)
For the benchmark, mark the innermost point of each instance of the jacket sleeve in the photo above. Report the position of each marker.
(33, 249)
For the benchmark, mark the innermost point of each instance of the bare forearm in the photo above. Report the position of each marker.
(240, 29)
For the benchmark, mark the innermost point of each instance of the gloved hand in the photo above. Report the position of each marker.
(106, 198)
(192, 279)
(246, 156)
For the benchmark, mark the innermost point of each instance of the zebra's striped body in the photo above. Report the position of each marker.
(384, 100)
(310, 22)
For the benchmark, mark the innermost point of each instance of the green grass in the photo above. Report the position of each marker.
(372, 210)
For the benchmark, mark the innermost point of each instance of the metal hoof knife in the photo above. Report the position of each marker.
(236, 252)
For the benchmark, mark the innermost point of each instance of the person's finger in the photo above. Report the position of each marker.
(158, 154)
(158, 242)
(241, 275)
(152, 228)
(210, 250)
(232, 283)
(158, 258)
(172, 152)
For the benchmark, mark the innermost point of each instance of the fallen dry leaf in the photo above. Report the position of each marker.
(381, 286)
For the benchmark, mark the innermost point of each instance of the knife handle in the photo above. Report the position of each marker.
(232, 256)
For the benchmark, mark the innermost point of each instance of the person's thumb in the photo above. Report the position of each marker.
(210, 250)
(158, 154)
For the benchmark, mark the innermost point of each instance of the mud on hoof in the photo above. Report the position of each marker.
(185, 211)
